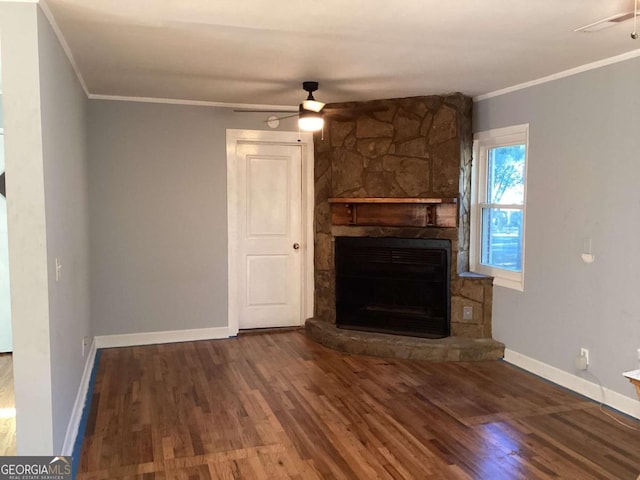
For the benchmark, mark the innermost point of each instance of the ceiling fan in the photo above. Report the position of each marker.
(311, 112)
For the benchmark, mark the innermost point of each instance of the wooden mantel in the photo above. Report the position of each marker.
(395, 212)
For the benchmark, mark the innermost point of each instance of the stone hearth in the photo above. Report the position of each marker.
(417, 147)
(450, 349)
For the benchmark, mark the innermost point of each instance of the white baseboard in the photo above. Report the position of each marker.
(78, 406)
(580, 385)
(152, 338)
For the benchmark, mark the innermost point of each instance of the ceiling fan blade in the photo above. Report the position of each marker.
(371, 108)
(340, 117)
(338, 107)
(357, 109)
(259, 110)
(288, 116)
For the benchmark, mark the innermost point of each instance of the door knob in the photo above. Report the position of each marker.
(296, 246)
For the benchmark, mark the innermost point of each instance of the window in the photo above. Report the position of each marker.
(499, 204)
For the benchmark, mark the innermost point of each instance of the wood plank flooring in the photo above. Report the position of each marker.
(7, 406)
(280, 406)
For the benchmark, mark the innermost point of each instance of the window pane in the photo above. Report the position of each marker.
(505, 175)
(501, 245)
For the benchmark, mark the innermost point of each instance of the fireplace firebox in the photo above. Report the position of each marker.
(393, 285)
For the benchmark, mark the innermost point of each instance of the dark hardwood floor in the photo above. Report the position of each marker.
(280, 406)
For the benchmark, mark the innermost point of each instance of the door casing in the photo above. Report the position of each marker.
(305, 141)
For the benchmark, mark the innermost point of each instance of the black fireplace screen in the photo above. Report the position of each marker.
(393, 285)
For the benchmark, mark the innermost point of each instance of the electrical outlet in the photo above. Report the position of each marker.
(467, 313)
(584, 352)
(582, 360)
(58, 269)
(639, 357)
(85, 344)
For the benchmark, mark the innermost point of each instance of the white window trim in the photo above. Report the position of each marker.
(482, 141)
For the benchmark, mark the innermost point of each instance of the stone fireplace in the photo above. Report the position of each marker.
(417, 147)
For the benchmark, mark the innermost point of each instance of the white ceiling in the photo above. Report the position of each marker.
(259, 51)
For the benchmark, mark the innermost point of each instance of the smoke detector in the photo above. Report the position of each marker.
(605, 23)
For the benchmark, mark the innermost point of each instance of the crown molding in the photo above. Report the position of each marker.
(44, 6)
(557, 76)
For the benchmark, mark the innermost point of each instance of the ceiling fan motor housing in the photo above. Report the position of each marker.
(310, 86)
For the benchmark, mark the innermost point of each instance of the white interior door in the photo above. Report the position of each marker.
(269, 235)
(5, 297)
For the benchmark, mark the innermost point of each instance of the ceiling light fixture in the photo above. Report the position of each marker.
(310, 121)
(310, 116)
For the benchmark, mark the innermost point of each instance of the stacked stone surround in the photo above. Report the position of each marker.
(417, 147)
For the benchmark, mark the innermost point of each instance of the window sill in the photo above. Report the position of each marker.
(501, 278)
(508, 283)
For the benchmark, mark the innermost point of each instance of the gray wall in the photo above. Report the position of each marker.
(583, 182)
(47, 217)
(158, 204)
(63, 110)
